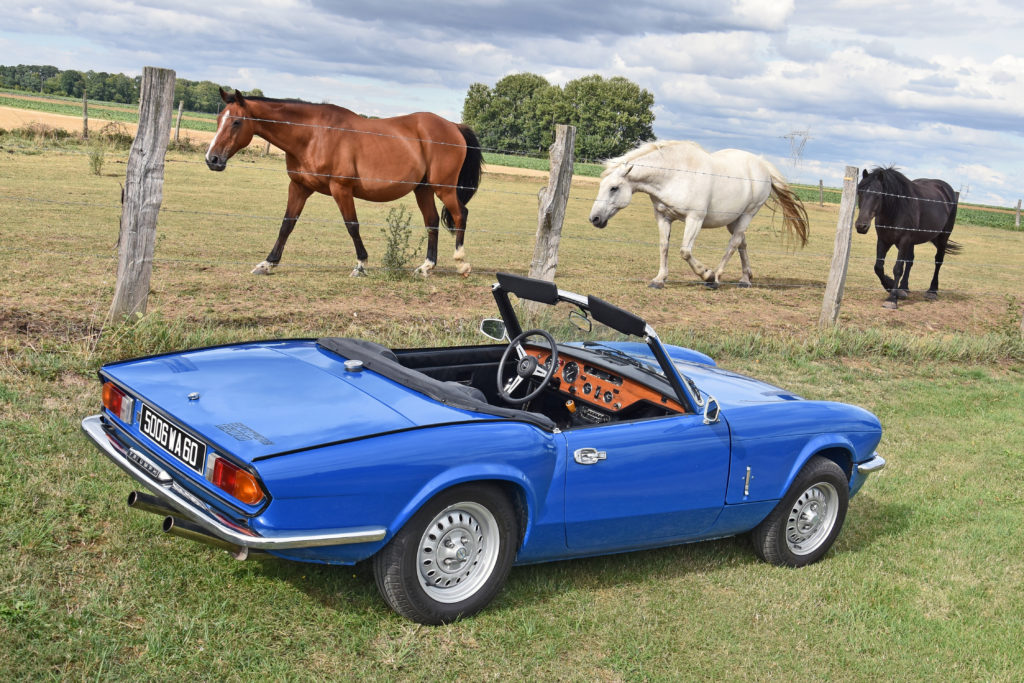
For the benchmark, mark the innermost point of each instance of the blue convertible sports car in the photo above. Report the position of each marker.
(446, 466)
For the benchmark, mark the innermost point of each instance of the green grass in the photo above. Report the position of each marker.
(924, 583)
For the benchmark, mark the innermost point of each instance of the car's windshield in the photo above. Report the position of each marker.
(570, 324)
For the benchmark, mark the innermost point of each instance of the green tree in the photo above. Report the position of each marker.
(520, 112)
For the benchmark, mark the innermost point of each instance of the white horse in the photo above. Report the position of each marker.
(705, 190)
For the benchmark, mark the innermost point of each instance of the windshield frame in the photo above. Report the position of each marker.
(618, 319)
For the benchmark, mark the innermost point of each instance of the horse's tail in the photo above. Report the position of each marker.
(953, 248)
(794, 215)
(469, 174)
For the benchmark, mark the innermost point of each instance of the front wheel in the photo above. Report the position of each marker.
(451, 558)
(802, 528)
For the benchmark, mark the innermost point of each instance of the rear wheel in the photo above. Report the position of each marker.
(802, 528)
(451, 558)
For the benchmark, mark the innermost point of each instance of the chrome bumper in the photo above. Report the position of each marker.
(873, 465)
(161, 484)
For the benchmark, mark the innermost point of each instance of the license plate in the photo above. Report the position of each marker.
(173, 440)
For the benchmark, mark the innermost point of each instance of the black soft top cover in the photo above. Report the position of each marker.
(383, 361)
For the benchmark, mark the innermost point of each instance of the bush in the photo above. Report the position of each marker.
(397, 252)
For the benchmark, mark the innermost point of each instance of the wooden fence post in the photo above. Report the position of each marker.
(821, 192)
(840, 251)
(1016, 222)
(85, 116)
(177, 126)
(143, 193)
(552, 205)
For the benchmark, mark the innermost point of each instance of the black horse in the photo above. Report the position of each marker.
(906, 213)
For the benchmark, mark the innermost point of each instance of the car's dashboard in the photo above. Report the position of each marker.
(590, 386)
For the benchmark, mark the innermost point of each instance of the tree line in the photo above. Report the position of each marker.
(517, 115)
(203, 96)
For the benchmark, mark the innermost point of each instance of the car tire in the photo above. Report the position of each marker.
(803, 526)
(452, 557)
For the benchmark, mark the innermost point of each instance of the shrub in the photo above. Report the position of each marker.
(397, 252)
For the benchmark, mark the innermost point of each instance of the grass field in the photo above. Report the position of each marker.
(925, 582)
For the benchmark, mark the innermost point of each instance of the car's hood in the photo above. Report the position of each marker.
(264, 398)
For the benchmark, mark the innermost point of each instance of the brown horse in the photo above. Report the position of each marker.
(337, 152)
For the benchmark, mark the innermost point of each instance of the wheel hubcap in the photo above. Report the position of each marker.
(457, 552)
(812, 518)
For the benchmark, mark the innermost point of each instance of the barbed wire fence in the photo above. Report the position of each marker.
(833, 288)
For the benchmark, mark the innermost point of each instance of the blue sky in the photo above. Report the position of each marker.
(936, 88)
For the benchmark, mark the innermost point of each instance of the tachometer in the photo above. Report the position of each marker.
(570, 372)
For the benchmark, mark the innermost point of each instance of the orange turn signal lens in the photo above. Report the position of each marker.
(236, 481)
(117, 402)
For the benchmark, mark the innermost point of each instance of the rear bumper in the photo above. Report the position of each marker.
(147, 472)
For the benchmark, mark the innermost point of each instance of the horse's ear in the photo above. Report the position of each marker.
(228, 98)
(239, 98)
(864, 173)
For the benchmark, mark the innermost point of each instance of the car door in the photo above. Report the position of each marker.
(630, 484)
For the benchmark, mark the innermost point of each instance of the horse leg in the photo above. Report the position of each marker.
(738, 230)
(881, 249)
(744, 263)
(694, 222)
(425, 200)
(665, 235)
(297, 196)
(901, 272)
(346, 204)
(450, 198)
(940, 254)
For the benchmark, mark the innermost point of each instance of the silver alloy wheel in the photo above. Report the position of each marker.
(457, 552)
(812, 518)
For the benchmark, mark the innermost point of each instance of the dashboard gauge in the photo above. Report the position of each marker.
(570, 372)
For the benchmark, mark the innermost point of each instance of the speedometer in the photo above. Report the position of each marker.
(570, 372)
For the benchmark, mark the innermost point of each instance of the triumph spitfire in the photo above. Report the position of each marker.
(444, 467)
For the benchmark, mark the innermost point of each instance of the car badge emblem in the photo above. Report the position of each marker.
(194, 396)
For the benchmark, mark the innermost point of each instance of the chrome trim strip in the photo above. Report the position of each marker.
(873, 465)
(97, 432)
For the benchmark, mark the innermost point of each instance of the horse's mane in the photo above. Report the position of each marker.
(891, 184)
(644, 150)
(260, 98)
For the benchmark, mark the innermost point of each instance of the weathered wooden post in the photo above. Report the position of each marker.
(177, 126)
(85, 116)
(821, 192)
(143, 193)
(551, 212)
(1016, 222)
(840, 251)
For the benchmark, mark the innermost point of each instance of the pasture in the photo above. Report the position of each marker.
(924, 581)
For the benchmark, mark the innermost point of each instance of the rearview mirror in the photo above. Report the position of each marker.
(711, 410)
(580, 321)
(494, 328)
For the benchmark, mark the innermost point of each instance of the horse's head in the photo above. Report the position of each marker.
(869, 199)
(235, 129)
(613, 194)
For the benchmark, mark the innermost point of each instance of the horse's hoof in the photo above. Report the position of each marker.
(358, 271)
(931, 296)
(902, 294)
(654, 284)
(744, 285)
(463, 269)
(711, 284)
(420, 272)
(891, 305)
(264, 268)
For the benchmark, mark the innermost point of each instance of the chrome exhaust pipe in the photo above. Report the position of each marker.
(147, 503)
(183, 529)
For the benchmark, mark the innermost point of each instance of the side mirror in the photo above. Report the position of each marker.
(711, 410)
(580, 321)
(494, 328)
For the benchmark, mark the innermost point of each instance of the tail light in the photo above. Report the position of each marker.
(234, 480)
(117, 402)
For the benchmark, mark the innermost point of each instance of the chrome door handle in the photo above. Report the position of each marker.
(588, 456)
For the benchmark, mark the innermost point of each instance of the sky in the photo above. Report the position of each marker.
(936, 88)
